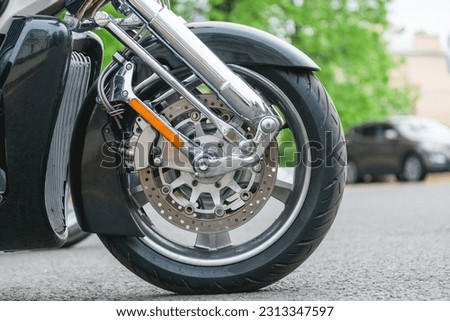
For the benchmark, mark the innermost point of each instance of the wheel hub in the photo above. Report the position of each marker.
(213, 204)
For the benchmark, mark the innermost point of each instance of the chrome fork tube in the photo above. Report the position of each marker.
(236, 93)
(229, 132)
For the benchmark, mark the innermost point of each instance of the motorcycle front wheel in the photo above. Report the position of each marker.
(244, 230)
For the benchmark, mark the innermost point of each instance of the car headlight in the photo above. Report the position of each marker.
(434, 148)
(436, 153)
(437, 158)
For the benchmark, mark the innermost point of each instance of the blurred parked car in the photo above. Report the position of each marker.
(409, 147)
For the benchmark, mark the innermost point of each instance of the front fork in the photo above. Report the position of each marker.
(232, 90)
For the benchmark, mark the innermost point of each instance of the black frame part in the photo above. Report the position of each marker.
(34, 64)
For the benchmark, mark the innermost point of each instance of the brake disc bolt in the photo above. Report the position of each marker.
(219, 211)
(194, 183)
(218, 185)
(257, 168)
(245, 196)
(189, 209)
(195, 116)
(125, 93)
(129, 66)
(165, 190)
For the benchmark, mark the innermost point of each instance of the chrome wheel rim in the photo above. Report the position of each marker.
(232, 244)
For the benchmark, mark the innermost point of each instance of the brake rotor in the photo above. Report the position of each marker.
(208, 205)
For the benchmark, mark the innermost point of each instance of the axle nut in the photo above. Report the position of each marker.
(268, 125)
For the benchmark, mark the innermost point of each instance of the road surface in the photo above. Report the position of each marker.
(390, 241)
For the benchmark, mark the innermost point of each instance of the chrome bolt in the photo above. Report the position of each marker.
(257, 168)
(189, 209)
(158, 161)
(102, 19)
(195, 116)
(247, 147)
(203, 164)
(165, 190)
(129, 66)
(125, 93)
(268, 125)
(70, 22)
(219, 211)
(245, 196)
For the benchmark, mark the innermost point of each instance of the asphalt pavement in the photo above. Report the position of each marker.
(390, 241)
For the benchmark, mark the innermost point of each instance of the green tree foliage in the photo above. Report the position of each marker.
(344, 37)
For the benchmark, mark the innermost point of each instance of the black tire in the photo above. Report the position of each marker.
(309, 226)
(413, 169)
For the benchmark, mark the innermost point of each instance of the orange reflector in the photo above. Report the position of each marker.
(158, 124)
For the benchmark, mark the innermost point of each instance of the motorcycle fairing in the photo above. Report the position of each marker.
(34, 62)
(100, 205)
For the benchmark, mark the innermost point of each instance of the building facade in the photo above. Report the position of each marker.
(427, 68)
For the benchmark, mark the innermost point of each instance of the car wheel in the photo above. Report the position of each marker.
(353, 175)
(412, 170)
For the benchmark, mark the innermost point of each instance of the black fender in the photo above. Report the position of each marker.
(100, 204)
(34, 65)
(225, 39)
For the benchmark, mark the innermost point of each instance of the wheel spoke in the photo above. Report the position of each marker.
(216, 197)
(284, 184)
(199, 132)
(235, 186)
(136, 189)
(194, 196)
(177, 183)
(213, 241)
